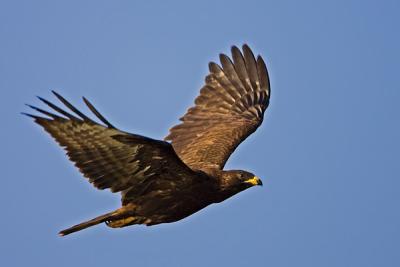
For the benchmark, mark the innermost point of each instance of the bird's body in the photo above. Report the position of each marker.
(160, 181)
(161, 204)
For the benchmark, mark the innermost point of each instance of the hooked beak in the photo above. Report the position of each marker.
(254, 181)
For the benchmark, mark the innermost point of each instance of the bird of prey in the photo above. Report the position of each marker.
(163, 181)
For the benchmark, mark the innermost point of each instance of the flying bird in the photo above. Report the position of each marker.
(163, 181)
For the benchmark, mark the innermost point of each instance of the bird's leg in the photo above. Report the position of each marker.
(121, 222)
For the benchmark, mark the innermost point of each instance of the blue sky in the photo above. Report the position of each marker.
(328, 151)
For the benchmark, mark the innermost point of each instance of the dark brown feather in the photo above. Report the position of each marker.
(229, 108)
(108, 157)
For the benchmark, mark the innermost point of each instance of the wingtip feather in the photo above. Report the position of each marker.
(29, 115)
(97, 113)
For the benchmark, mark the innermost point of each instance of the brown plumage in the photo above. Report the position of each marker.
(163, 182)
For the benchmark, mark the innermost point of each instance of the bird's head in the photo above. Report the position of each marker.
(238, 180)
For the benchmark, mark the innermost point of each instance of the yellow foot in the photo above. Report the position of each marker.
(121, 222)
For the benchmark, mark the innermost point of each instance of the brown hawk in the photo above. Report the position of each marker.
(160, 181)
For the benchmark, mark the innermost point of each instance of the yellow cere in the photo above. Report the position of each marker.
(254, 181)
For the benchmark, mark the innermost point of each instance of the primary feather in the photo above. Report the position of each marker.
(229, 108)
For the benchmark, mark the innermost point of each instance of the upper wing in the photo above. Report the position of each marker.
(109, 158)
(229, 108)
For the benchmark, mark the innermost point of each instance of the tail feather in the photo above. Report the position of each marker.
(84, 225)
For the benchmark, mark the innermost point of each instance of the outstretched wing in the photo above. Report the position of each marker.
(229, 108)
(108, 157)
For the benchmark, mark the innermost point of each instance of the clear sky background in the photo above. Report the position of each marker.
(328, 151)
